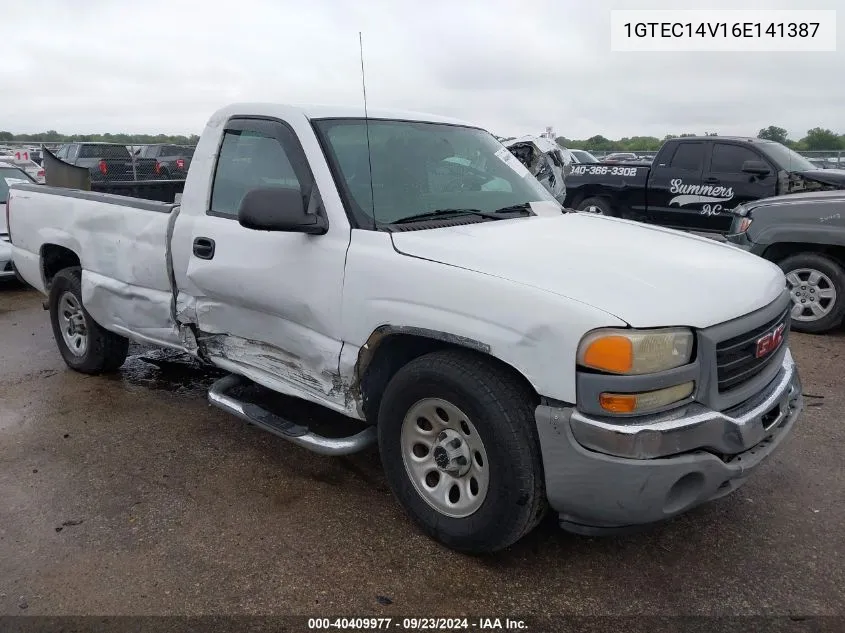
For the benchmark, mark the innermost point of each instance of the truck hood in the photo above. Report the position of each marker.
(831, 177)
(646, 276)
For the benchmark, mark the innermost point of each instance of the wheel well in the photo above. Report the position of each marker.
(778, 252)
(55, 258)
(393, 351)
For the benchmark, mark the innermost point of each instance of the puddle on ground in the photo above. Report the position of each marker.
(169, 370)
(166, 370)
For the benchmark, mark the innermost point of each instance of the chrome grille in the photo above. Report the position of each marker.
(736, 359)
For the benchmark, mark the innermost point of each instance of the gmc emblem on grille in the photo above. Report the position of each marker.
(769, 342)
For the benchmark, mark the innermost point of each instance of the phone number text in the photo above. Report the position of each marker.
(603, 170)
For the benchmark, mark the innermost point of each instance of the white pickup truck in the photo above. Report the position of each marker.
(506, 354)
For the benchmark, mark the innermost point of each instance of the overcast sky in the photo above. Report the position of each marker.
(162, 66)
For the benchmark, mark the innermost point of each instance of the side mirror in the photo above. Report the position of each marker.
(756, 167)
(279, 209)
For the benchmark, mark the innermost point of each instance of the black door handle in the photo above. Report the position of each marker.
(711, 180)
(204, 247)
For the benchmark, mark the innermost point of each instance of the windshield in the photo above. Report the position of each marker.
(9, 176)
(583, 156)
(786, 158)
(423, 167)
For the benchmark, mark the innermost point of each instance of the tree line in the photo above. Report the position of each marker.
(815, 139)
(52, 136)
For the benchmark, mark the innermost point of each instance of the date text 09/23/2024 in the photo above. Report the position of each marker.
(417, 624)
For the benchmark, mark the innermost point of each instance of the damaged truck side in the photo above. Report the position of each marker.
(506, 355)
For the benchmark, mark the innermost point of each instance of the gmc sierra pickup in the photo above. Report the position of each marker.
(694, 182)
(505, 354)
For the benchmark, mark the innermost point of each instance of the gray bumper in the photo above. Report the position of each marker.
(596, 485)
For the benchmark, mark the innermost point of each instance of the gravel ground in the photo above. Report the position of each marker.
(130, 495)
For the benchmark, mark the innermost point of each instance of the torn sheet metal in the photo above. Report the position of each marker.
(282, 371)
(544, 159)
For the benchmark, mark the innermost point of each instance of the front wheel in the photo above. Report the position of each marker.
(83, 344)
(460, 450)
(817, 285)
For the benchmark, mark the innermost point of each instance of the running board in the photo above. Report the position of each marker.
(218, 395)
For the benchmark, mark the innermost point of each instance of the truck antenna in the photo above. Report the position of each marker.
(367, 127)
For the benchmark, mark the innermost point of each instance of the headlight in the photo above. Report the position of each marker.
(744, 223)
(634, 352)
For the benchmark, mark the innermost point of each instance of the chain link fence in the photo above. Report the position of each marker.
(110, 162)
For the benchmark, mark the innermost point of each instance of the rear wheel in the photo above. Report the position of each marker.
(460, 450)
(817, 285)
(599, 206)
(83, 344)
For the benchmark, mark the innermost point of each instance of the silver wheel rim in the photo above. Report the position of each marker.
(813, 294)
(445, 457)
(72, 324)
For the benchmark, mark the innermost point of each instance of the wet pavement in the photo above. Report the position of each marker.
(131, 495)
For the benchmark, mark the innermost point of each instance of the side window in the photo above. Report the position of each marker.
(728, 159)
(688, 156)
(252, 158)
(62, 152)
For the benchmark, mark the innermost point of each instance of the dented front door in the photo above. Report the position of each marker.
(269, 302)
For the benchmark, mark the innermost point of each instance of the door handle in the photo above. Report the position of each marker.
(204, 247)
(710, 180)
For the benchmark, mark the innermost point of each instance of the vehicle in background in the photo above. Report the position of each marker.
(35, 171)
(172, 161)
(694, 182)
(545, 160)
(9, 175)
(108, 162)
(804, 234)
(407, 271)
(620, 157)
(58, 173)
(583, 156)
(821, 163)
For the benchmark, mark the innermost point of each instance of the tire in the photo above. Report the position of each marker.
(599, 206)
(822, 277)
(499, 415)
(103, 351)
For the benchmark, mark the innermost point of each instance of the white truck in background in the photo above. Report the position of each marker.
(406, 270)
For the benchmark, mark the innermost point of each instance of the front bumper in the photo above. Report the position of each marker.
(6, 269)
(741, 240)
(604, 478)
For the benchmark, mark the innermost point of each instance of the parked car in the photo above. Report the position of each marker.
(804, 234)
(620, 157)
(35, 171)
(694, 182)
(108, 161)
(504, 353)
(172, 161)
(583, 156)
(9, 175)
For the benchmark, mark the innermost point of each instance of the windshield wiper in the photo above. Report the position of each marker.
(498, 214)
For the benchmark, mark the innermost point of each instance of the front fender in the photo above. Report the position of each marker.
(535, 332)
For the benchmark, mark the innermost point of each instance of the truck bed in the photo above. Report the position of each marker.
(121, 244)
